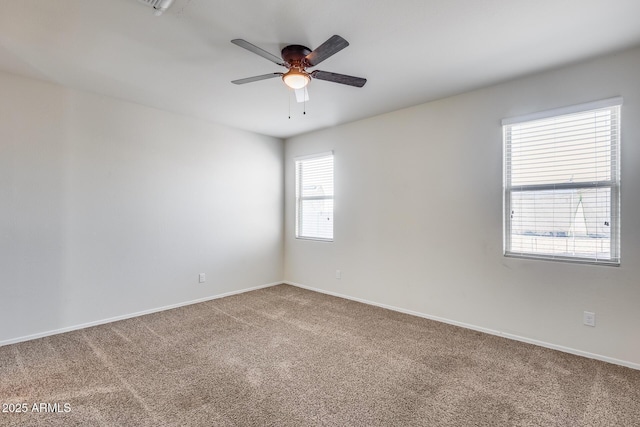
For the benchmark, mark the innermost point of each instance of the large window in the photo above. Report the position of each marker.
(314, 197)
(562, 184)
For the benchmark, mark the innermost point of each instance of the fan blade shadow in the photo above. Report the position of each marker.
(302, 95)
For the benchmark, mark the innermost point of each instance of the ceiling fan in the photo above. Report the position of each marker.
(297, 58)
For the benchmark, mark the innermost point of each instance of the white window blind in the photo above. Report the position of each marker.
(314, 197)
(562, 184)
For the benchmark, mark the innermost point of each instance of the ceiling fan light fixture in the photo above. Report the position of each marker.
(297, 58)
(296, 79)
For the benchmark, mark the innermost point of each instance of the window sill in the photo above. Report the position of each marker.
(608, 263)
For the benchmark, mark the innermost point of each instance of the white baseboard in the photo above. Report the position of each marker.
(129, 316)
(477, 328)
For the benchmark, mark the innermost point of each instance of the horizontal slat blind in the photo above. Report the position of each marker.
(314, 197)
(561, 181)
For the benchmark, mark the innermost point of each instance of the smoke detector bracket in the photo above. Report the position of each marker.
(160, 6)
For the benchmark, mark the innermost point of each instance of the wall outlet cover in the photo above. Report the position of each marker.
(589, 318)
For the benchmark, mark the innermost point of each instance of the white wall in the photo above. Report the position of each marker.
(418, 220)
(109, 208)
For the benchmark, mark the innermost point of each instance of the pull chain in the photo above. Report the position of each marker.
(304, 100)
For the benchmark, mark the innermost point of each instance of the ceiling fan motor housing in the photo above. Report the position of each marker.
(294, 55)
(294, 58)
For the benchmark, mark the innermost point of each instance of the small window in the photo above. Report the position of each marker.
(562, 184)
(314, 197)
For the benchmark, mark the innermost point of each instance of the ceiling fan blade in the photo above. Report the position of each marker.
(338, 78)
(332, 46)
(256, 78)
(302, 95)
(258, 51)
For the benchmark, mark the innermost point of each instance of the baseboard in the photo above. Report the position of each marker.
(129, 316)
(477, 328)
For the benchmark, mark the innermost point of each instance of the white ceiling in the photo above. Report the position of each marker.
(411, 51)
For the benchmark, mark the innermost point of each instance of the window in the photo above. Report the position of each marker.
(314, 197)
(562, 184)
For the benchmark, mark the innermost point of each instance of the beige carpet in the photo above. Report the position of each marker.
(284, 356)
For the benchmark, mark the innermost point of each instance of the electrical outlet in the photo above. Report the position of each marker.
(589, 318)
(338, 274)
(202, 278)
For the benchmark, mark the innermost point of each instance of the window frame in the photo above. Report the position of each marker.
(614, 183)
(300, 199)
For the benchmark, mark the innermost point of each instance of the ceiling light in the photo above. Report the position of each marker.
(296, 79)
